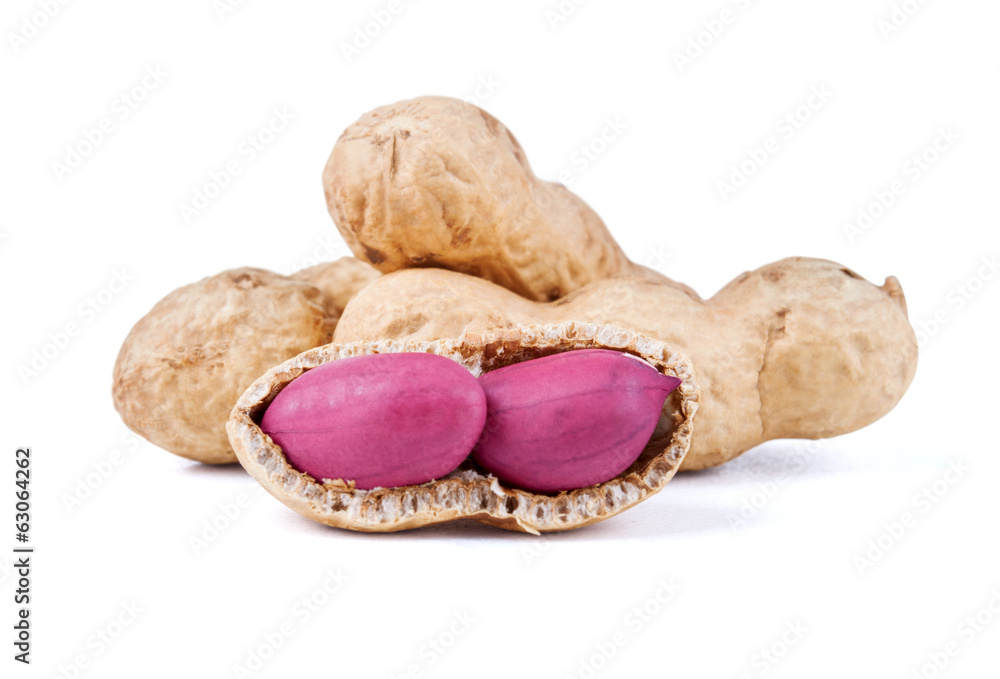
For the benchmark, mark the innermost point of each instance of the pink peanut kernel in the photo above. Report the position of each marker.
(382, 420)
(569, 420)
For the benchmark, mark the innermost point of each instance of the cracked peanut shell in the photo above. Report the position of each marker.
(469, 493)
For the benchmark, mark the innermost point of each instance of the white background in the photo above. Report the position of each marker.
(520, 606)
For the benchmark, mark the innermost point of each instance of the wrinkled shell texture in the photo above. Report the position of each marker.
(801, 348)
(468, 493)
(184, 364)
(339, 281)
(438, 182)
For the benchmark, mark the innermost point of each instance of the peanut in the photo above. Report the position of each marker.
(569, 420)
(378, 421)
(185, 362)
(466, 492)
(437, 182)
(801, 348)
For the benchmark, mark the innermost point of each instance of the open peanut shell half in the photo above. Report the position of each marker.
(468, 493)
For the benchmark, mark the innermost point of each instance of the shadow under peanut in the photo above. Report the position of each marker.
(693, 503)
(233, 470)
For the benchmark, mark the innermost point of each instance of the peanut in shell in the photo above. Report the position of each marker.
(469, 493)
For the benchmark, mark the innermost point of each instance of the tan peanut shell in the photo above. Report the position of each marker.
(184, 364)
(467, 492)
(438, 182)
(801, 348)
